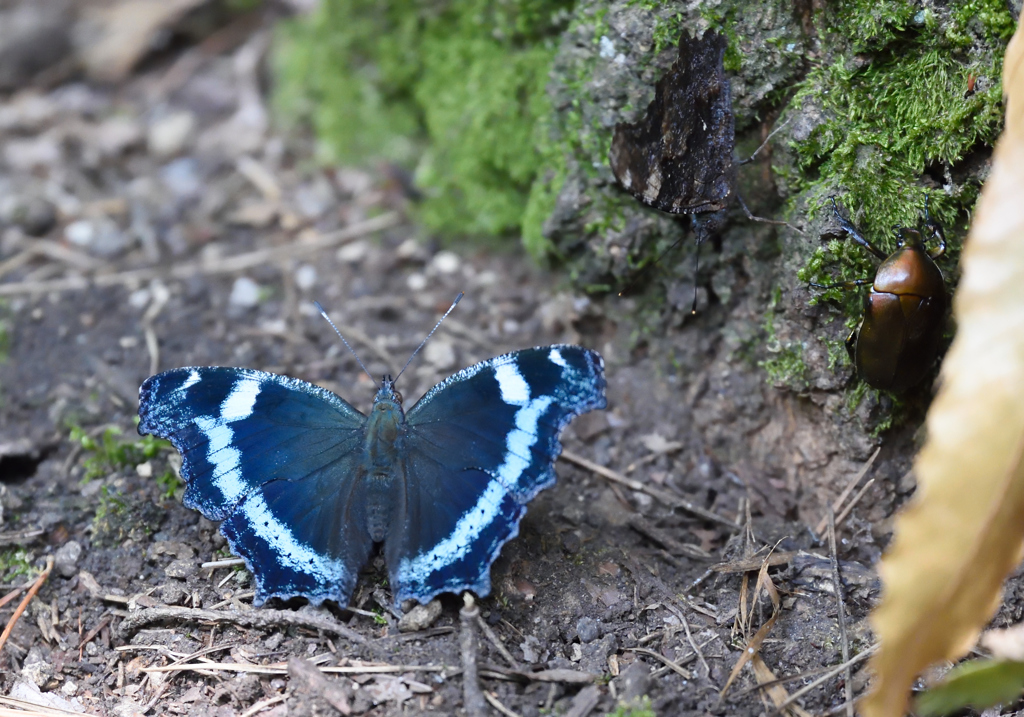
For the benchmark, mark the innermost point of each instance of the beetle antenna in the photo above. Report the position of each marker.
(324, 314)
(424, 341)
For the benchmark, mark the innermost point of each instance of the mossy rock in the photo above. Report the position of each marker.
(506, 113)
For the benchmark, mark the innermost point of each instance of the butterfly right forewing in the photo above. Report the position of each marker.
(480, 445)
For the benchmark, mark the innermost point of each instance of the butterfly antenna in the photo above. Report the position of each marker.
(358, 360)
(424, 341)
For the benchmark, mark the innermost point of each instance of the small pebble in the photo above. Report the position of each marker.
(36, 217)
(446, 262)
(305, 277)
(182, 177)
(416, 282)
(420, 617)
(181, 569)
(170, 134)
(410, 250)
(353, 253)
(440, 354)
(245, 293)
(65, 560)
(139, 299)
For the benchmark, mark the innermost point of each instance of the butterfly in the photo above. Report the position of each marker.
(305, 485)
(678, 157)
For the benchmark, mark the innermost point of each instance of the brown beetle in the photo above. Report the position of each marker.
(900, 334)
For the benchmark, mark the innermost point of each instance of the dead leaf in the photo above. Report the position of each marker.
(961, 534)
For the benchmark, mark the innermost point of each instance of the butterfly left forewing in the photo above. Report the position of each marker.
(478, 447)
(277, 460)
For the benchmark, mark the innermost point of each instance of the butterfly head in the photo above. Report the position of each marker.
(387, 396)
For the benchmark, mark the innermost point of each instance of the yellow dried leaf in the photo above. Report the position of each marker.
(962, 533)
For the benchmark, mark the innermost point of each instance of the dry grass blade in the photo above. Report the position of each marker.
(227, 265)
(838, 503)
(28, 709)
(754, 644)
(281, 668)
(962, 533)
(493, 702)
(660, 495)
(268, 619)
(263, 704)
(827, 676)
(682, 672)
(776, 692)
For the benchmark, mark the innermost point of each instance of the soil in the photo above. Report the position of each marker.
(123, 207)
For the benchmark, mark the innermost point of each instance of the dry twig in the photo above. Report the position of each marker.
(26, 600)
(281, 668)
(837, 585)
(227, 265)
(642, 525)
(264, 704)
(260, 619)
(853, 503)
(838, 502)
(660, 495)
(826, 677)
(498, 706)
(681, 671)
(498, 644)
(473, 700)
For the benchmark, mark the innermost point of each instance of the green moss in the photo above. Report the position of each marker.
(785, 366)
(120, 516)
(171, 485)
(15, 563)
(455, 89)
(893, 98)
(109, 452)
(638, 708)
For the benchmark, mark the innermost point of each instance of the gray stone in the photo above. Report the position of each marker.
(634, 682)
(594, 658)
(420, 617)
(181, 569)
(37, 668)
(65, 560)
(588, 629)
(36, 216)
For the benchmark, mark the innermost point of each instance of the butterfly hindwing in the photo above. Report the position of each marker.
(479, 446)
(277, 460)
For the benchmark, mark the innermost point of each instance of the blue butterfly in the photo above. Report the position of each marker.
(305, 484)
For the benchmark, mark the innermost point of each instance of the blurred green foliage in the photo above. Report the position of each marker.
(453, 90)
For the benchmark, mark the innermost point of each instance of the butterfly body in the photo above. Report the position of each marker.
(306, 485)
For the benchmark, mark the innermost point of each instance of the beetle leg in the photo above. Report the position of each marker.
(845, 284)
(935, 229)
(851, 346)
(848, 227)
